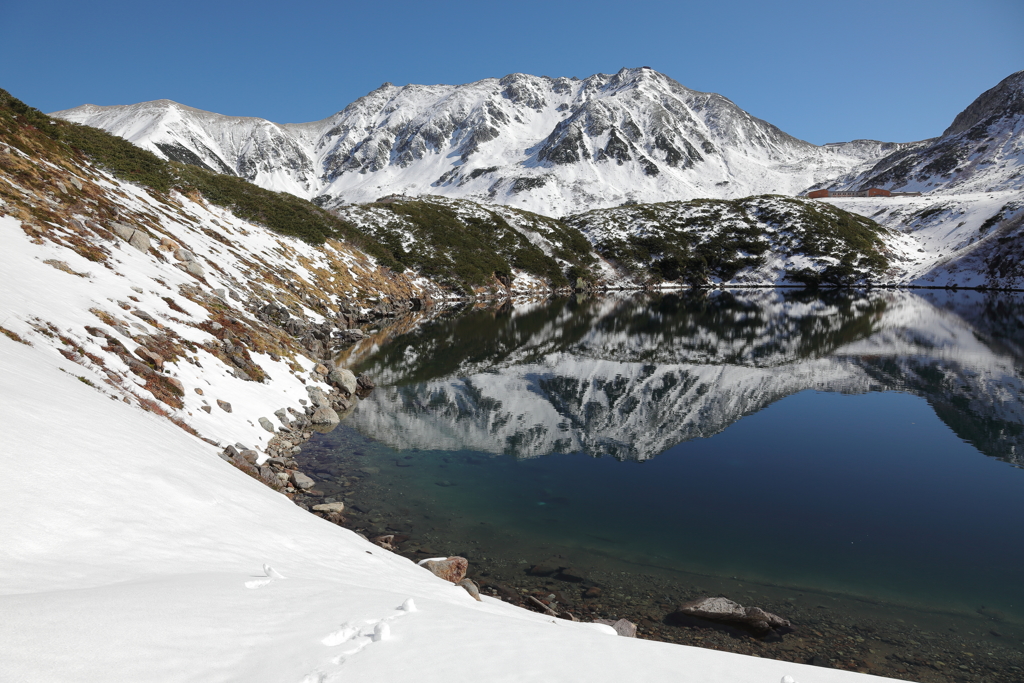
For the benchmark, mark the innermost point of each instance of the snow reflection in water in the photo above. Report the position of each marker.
(856, 466)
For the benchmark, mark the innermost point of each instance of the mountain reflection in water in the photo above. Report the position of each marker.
(632, 375)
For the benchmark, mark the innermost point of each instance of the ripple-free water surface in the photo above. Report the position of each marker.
(865, 444)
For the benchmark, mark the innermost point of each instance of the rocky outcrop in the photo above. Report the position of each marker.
(723, 610)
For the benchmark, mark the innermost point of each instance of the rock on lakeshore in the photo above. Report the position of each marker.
(301, 481)
(623, 627)
(452, 569)
(344, 380)
(726, 611)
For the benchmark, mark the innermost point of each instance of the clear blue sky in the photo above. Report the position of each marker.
(892, 70)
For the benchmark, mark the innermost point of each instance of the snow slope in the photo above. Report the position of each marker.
(143, 561)
(132, 552)
(551, 145)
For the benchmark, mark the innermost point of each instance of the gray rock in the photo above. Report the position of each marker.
(194, 268)
(471, 588)
(623, 627)
(249, 455)
(184, 255)
(122, 230)
(283, 417)
(140, 241)
(76, 182)
(344, 380)
(330, 507)
(317, 396)
(224, 405)
(301, 481)
(324, 415)
(267, 424)
(725, 610)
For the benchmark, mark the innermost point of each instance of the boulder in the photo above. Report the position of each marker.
(344, 380)
(451, 569)
(329, 507)
(184, 255)
(140, 241)
(224, 405)
(317, 396)
(151, 357)
(301, 481)
(320, 369)
(122, 230)
(194, 268)
(471, 588)
(267, 424)
(283, 417)
(726, 611)
(324, 415)
(623, 627)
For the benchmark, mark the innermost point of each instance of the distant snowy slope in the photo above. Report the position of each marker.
(981, 151)
(550, 145)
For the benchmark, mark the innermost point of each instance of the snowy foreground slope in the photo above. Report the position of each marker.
(132, 552)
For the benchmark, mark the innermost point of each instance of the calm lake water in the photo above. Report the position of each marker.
(863, 444)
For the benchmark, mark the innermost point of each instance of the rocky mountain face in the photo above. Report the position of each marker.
(981, 151)
(550, 145)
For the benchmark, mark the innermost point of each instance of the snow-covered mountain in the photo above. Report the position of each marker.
(550, 145)
(981, 151)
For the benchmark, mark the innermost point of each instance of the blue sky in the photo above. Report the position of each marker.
(897, 70)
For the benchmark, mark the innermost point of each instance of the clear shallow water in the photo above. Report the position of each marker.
(863, 444)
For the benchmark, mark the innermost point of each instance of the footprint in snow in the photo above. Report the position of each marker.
(260, 583)
(355, 639)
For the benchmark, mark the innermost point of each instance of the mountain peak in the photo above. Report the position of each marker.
(1004, 100)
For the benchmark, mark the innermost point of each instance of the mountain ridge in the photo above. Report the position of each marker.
(549, 145)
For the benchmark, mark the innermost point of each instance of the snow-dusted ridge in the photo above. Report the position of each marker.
(551, 145)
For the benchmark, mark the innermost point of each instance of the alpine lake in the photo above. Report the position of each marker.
(850, 460)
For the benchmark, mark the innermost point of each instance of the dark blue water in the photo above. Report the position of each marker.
(859, 444)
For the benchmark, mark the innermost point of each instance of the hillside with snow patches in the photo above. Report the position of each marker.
(550, 145)
(142, 330)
